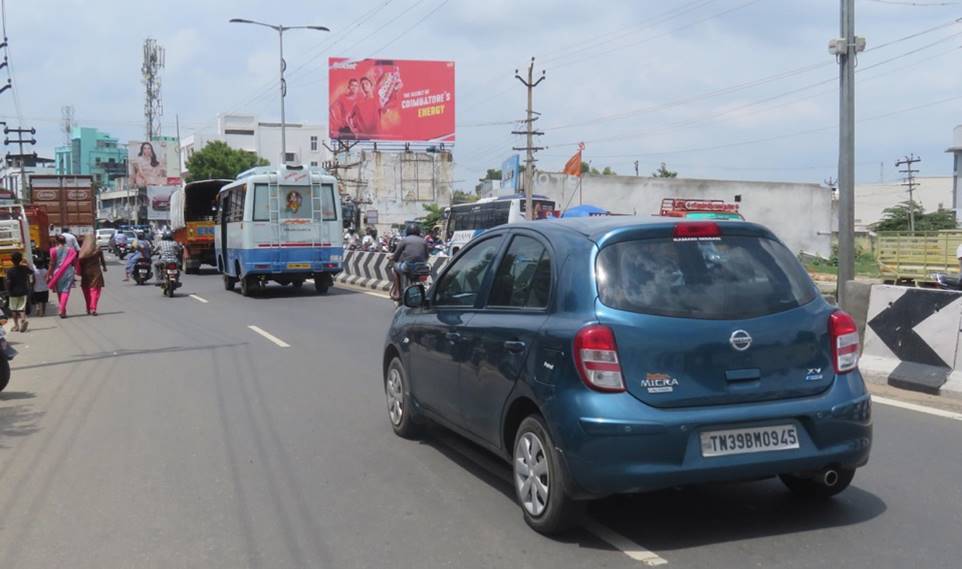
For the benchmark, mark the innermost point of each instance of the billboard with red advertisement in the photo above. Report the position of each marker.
(395, 100)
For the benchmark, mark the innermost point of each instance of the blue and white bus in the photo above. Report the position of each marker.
(281, 225)
(464, 222)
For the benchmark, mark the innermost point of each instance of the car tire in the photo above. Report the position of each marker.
(811, 489)
(229, 282)
(246, 286)
(544, 502)
(4, 372)
(397, 394)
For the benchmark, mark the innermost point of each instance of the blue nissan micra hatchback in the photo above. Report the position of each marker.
(619, 354)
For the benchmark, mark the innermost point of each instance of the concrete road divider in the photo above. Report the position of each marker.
(912, 339)
(373, 270)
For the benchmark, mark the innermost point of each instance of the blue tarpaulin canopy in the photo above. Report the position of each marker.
(584, 211)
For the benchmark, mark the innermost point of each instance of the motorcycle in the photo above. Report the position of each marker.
(171, 280)
(121, 251)
(7, 353)
(413, 273)
(142, 271)
(946, 281)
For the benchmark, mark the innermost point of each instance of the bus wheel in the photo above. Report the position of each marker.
(322, 283)
(247, 285)
(229, 282)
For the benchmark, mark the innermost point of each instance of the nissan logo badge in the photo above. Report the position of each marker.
(740, 340)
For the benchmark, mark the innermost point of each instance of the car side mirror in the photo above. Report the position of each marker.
(414, 296)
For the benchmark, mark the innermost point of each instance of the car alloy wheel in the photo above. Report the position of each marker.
(395, 397)
(531, 474)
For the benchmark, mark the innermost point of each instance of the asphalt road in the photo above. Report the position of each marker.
(166, 433)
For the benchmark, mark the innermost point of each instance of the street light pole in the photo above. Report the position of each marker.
(283, 67)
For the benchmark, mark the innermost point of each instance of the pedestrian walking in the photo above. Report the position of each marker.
(18, 290)
(41, 292)
(71, 239)
(92, 267)
(63, 259)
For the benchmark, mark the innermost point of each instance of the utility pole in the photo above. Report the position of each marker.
(530, 148)
(846, 50)
(283, 67)
(20, 132)
(910, 183)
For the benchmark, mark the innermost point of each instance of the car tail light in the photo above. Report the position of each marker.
(596, 357)
(845, 343)
(172, 266)
(696, 229)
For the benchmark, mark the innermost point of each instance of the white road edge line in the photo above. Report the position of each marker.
(918, 408)
(199, 299)
(270, 336)
(623, 544)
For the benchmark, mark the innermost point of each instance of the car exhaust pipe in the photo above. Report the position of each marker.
(828, 477)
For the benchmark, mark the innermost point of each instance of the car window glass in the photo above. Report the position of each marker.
(733, 277)
(461, 284)
(523, 279)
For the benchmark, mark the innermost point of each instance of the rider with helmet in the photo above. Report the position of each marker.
(412, 249)
(168, 251)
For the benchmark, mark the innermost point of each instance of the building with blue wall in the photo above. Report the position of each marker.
(92, 153)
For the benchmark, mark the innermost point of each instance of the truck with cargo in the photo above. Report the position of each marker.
(68, 200)
(193, 210)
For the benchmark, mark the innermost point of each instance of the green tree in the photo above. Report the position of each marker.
(664, 172)
(492, 174)
(434, 213)
(608, 172)
(896, 218)
(587, 169)
(217, 160)
(463, 197)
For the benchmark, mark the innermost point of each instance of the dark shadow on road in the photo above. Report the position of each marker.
(681, 518)
(276, 291)
(18, 421)
(127, 353)
(16, 395)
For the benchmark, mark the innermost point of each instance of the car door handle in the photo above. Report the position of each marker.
(514, 346)
(453, 337)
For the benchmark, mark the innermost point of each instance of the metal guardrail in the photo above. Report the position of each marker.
(904, 256)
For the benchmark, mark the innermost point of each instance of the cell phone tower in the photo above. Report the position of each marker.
(153, 105)
(67, 123)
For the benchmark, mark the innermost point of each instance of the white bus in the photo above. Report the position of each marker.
(281, 225)
(464, 222)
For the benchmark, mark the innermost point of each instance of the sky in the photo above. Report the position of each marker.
(726, 89)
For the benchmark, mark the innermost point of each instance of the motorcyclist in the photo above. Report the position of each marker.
(168, 251)
(412, 249)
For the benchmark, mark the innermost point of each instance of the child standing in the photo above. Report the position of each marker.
(18, 288)
(41, 292)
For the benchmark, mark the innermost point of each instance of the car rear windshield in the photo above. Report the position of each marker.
(727, 278)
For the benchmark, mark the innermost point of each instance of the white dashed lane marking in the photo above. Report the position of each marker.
(270, 336)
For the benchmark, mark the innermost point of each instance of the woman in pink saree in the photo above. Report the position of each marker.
(63, 262)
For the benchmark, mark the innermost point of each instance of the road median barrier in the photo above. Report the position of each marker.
(912, 339)
(372, 270)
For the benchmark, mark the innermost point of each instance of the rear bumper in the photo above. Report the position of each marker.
(615, 444)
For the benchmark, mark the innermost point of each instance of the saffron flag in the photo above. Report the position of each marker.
(573, 165)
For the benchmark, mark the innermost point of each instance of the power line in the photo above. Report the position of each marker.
(416, 24)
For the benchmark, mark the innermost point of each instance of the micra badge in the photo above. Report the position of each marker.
(659, 383)
(814, 374)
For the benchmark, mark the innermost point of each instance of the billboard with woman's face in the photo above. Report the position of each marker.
(147, 164)
(391, 100)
